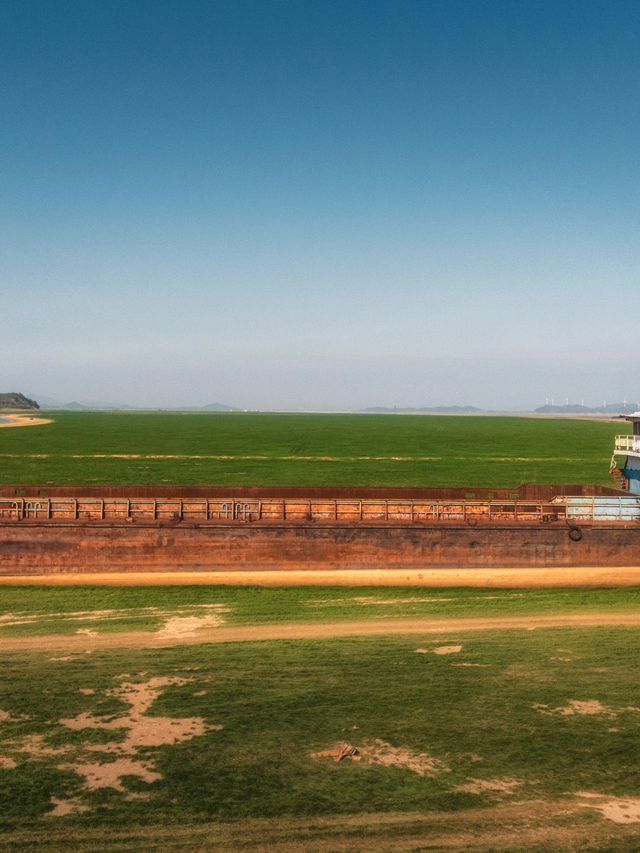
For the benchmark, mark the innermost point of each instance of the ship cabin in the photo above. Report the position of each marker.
(628, 447)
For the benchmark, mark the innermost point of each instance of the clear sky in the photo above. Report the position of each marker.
(320, 204)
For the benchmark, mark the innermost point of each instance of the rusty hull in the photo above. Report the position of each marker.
(41, 548)
(35, 545)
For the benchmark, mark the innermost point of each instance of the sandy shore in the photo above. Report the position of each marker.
(22, 421)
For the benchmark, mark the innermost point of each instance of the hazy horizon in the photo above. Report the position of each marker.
(320, 206)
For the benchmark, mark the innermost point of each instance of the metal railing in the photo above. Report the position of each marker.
(627, 444)
(275, 509)
(202, 510)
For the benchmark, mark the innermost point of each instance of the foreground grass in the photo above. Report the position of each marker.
(50, 610)
(279, 702)
(275, 449)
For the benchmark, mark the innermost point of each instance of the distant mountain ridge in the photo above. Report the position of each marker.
(16, 400)
(98, 406)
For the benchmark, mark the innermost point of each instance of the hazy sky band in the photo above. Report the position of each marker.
(320, 205)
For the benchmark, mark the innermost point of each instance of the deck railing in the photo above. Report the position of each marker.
(203, 510)
(627, 444)
(274, 509)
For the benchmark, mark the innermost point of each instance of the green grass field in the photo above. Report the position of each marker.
(228, 732)
(275, 449)
(45, 610)
(519, 740)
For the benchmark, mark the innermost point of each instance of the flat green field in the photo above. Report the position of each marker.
(47, 610)
(489, 740)
(314, 450)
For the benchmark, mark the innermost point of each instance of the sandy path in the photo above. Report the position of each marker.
(317, 631)
(557, 825)
(507, 578)
(21, 421)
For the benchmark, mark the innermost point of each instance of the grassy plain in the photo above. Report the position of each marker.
(306, 449)
(509, 718)
(39, 611)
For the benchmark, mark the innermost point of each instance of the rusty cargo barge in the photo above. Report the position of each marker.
(57, 530)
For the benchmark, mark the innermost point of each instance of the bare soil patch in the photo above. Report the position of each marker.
(490, 786)
(179, 620)
(62, 808)
(616, 809)
(141, 729)
(584, 708)
(188, 626)
(447, 650)
(440, 650)
(107, 765)
(100, 775)
(380, 752)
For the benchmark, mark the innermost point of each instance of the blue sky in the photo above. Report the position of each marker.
(320, 205)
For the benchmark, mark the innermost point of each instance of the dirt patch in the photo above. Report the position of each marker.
(489, 786)
(447, 650)
(143, 730)
(475, 665)
(370, 600)
(107, 765)
(188, 626)
(175, 619)
(35, 747)
(99, 775)
(616, 809)
(380, 752)
(62, 808)
(440, 650)
(7, 763)
(584, 708)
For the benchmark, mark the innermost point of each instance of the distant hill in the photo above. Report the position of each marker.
(449, 410)
(217, 407)
(99, 406)
(15, 400)
(75, 406)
